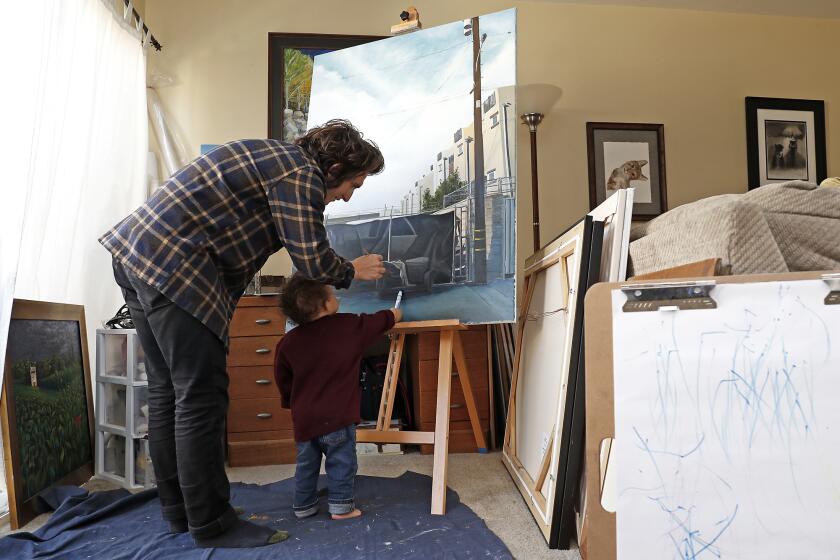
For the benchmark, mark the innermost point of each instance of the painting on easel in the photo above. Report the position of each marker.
(440, 104)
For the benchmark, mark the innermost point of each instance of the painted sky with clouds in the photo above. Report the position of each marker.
(409, 93)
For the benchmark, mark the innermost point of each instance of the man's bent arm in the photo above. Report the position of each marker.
(297, 205)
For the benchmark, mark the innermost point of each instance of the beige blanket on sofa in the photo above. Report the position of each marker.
(782, 227)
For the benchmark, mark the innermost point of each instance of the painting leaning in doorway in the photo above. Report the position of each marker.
(442, 213)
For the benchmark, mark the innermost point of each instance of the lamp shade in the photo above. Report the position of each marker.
(537, 98)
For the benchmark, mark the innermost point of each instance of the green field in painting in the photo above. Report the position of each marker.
(52, 429)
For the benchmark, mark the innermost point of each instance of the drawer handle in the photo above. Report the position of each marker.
(263, 415)
(263, 381)
(457, 405)
(263, 350)
(262, 321)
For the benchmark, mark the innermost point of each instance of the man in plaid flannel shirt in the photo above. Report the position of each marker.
(184, 258)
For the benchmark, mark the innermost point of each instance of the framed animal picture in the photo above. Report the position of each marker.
(291, 57)
(628, 155)
(785, 140)
(46, 408)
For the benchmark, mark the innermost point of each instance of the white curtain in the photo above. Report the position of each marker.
(74, 151)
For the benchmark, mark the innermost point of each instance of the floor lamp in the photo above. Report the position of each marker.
(533, 120)
(536, 101)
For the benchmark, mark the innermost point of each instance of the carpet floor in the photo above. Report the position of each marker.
(481, 481)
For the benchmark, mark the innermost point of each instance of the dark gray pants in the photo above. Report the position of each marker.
(188, 401)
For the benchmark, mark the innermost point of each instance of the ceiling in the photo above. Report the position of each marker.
(798, 8)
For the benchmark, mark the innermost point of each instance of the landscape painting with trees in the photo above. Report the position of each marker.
(49, 401)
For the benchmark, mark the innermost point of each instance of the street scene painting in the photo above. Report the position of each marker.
(440, 105)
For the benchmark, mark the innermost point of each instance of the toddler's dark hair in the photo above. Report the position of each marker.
(303, 298)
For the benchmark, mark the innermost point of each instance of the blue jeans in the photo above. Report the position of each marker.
(339, 448)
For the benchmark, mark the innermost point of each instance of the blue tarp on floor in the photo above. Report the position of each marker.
(117, 525)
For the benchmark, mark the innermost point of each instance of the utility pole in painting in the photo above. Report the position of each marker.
(479, 234)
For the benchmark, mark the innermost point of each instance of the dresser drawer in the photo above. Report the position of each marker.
(428, 399)
(252, 351)
(426, 346)
(457, 407)
(261, 300)
(461, 438)
(427, 374)
(252, 452)
(257, 415)
(257, 321)
(252, 382)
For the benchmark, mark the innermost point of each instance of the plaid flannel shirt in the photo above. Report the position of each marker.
(203, 234)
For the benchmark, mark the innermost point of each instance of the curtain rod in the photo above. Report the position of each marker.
(137, 18)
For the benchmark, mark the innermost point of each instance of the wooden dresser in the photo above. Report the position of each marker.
(259, 431)
(423, 363)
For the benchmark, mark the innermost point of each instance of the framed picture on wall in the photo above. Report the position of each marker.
(46, 409)
(624, 155)
(785, 140)
(290, 60)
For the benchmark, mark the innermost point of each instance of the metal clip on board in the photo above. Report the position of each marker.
(833, 281)
(669, 296)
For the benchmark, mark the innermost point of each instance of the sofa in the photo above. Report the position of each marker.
(783, 227)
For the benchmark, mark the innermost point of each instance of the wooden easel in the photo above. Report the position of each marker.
(450, 347)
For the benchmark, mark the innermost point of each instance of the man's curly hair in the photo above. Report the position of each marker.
(303, 298)
(338, 141)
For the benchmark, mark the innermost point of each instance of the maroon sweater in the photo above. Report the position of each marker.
(317, 368)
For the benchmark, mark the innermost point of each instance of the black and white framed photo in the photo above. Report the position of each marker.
(785, 140)
(624, 155)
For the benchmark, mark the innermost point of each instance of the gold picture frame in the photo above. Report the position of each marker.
(47, 375)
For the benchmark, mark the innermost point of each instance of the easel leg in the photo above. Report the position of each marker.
(389, 387)
(394, 382)
(469, 397)
(490, 402)
(442, 423)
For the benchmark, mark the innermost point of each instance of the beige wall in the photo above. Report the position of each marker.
(688, 70)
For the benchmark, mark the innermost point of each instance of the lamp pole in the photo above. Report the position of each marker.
(479, 234)
(533, 120)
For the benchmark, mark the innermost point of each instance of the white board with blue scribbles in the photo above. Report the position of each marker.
(727, 426)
